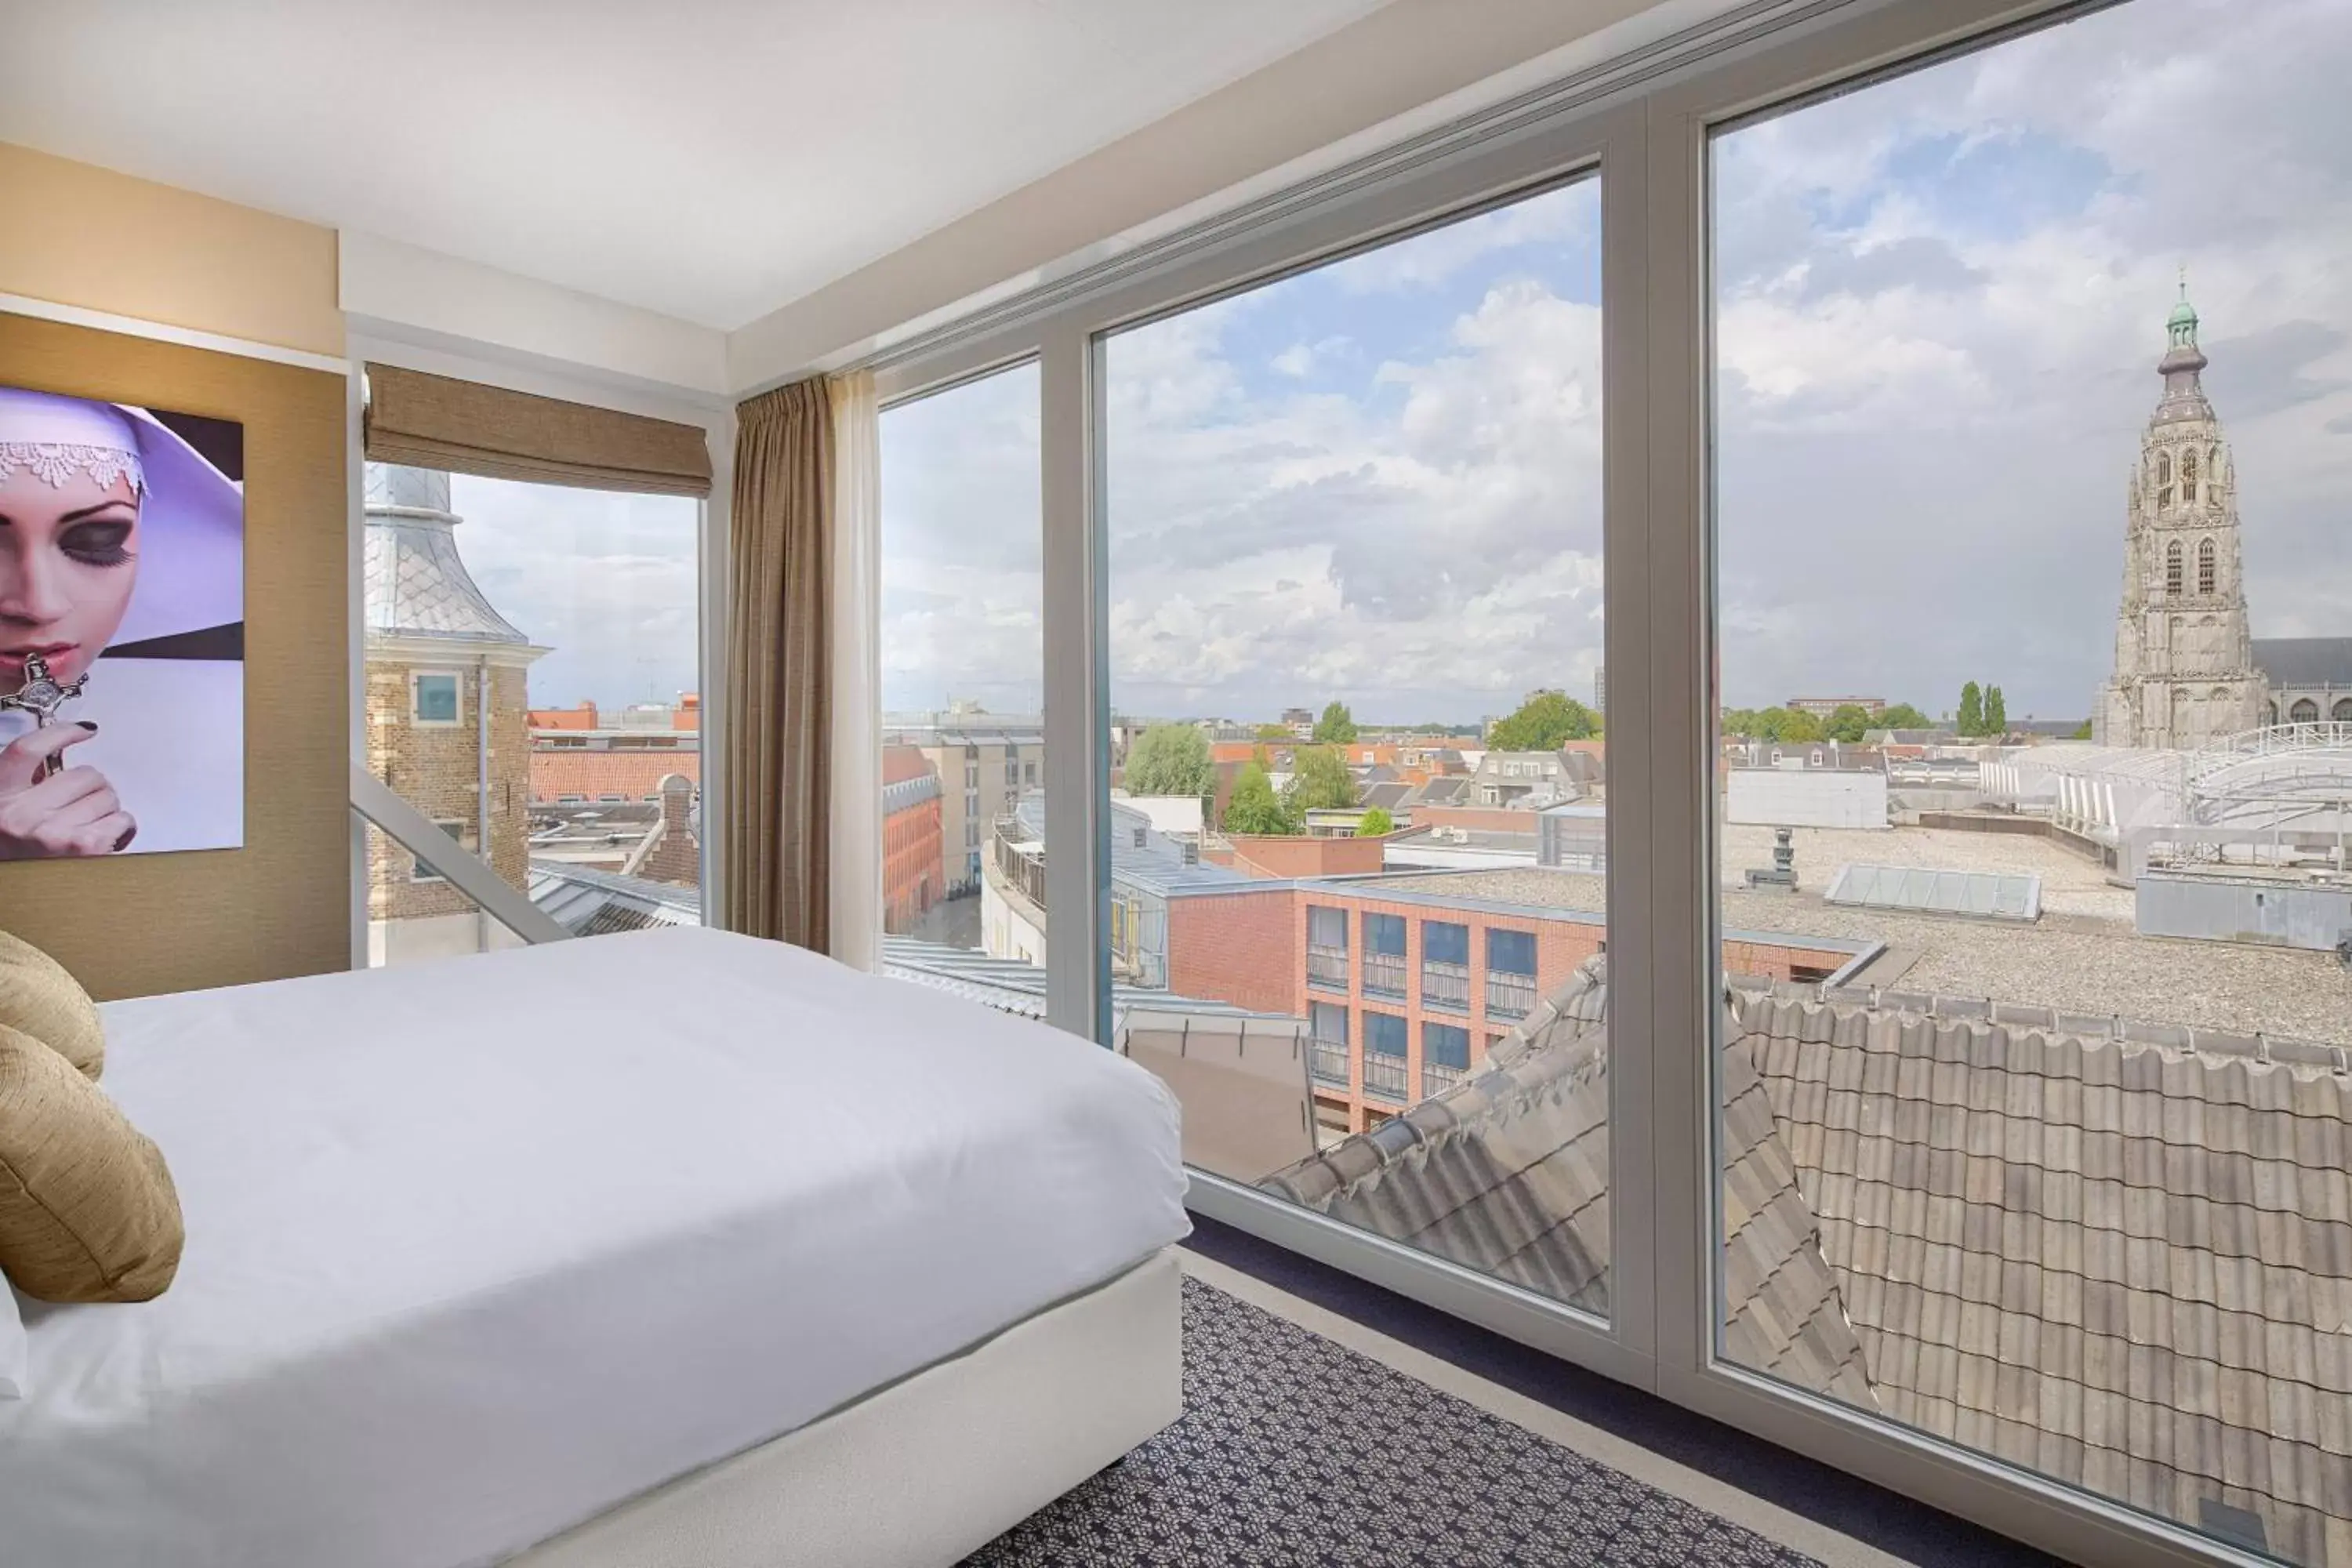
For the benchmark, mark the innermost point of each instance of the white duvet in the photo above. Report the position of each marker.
(479, 1248)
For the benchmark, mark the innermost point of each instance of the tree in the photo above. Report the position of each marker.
(1903, 716)
(1849, 723)
(1376, 822)
(1319, 780)
(1542, 723)
(1337, 727)
(1255, 808)
(1971, 709)
(1996, 712)
(1273, 732)
(1170, 759)
(2081, 732)
(1793, 725)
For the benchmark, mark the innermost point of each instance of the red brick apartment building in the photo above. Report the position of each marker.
(910, 838)
(1404, 991)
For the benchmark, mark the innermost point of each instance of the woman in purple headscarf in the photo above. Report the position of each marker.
(121, 567)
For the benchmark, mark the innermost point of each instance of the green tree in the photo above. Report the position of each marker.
(2081, 730)
(1273, 733)
(1376, 822)
(1255, 808)
(1996, 712)
(1903, 716)
(1542, 723)
(1794, 725)
(1849, 723)
(1170, 759)
(1971, 709)
(1319, 780)
(1740, 721)
(1337, 727)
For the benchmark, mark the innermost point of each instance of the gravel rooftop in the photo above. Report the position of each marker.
(2082, 956)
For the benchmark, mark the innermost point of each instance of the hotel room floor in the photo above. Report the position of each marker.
(1313, 1437)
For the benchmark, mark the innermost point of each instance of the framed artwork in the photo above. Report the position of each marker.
(121, 629)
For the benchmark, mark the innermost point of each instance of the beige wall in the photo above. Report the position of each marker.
(143, 923)
(79, 235)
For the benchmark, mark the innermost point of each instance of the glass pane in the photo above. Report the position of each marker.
(1354, 522)
(532, 663)
(963, 676)
(2030, 466)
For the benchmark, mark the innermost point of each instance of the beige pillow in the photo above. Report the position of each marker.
(40, 998)
(87, 1212)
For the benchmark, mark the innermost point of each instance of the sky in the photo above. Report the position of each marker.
(1940, 300)
(608, 582)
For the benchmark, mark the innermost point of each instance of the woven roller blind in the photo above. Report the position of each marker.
(434, 422)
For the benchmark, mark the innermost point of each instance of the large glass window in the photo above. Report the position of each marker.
(1354, 545)
(2033, 1108)
(533, 672)
(963, 819)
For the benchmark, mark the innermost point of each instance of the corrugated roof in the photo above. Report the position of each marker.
(2122, 1264)
(1012, 985)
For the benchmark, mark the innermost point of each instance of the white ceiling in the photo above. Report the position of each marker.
(709, 159)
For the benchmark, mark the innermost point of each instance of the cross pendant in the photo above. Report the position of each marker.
(41, 695)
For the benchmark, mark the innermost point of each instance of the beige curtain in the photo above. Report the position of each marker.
(780, 669)
(465, 427)
(857, 907)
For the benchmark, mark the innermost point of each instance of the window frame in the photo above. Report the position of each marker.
(714, 414)
(1641, 124)
(456, 680)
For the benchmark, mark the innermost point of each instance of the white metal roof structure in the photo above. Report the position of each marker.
(1927, 890)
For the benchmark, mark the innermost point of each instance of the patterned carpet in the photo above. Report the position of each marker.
(1295, 1452)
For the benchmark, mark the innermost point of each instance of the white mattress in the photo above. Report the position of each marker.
(479, 1248)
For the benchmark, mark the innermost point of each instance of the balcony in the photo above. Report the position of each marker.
(1330, 1064)
(1510, 995)
(1384, 974)
(1436, 1079)
(1386, 1077)
(1444, 986)
(1326, 967)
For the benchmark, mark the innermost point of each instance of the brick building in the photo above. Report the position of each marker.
(447, 716)
(912, 882)
(1404, 991)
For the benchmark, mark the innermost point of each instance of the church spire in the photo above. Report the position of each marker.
(2184, 395)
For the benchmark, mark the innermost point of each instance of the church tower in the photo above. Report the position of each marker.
(2184, 658)
(447, 717)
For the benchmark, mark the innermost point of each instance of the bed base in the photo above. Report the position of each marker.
(925, 1471)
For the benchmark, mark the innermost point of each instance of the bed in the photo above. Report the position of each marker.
(666, 1248)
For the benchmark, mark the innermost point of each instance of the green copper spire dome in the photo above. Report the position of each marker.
(2183, 323)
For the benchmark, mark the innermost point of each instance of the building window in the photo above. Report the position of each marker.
(1385, 1034)
(1446, 965)
(1384, 947)
(2205, 566)
(2188, 476)
(435, 697)
(1444, 1058)
(1327, 1023)
(1326, 947)
(2342, 712)
(2173, 571)
(1510, 973)
(2305, 711)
